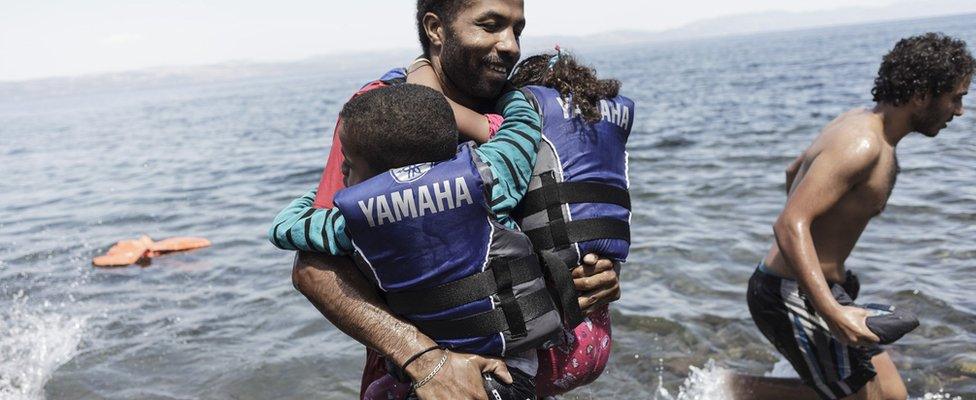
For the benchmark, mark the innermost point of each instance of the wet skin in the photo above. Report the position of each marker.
(855, 135)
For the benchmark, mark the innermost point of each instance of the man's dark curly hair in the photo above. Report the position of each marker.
(931, 64)
(399, 125)
(446, 10)
(571, 79)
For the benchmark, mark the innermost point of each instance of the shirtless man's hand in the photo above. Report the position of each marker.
(848, 325)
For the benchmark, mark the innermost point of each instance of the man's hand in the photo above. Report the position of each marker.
(848, 325)
(460, 377)
(597, 283)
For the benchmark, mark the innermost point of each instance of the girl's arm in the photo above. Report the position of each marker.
(471, 125)
(303, 227)
(511, 153)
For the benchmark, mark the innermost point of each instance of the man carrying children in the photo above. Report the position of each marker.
(474, 46)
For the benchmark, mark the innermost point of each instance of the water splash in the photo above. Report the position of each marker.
(939, 396)
(37, 339)
(782, 369)
(709, 382)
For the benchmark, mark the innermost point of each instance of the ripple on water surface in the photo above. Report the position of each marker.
(716, 124)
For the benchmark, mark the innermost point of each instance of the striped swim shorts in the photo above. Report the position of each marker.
(789, 321)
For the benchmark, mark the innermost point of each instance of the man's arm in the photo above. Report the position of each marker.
(334, 286)
(349, 301)
(831, 175)
(791, 172)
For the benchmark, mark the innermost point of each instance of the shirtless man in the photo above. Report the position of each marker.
(797, 295)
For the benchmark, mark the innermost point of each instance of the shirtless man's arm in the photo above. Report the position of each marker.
(831, 175)
(791, 172)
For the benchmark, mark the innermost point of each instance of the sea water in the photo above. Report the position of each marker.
(91, 160)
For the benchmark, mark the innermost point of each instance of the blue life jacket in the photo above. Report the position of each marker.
(578, 200)
(395, 76)
(426, 236)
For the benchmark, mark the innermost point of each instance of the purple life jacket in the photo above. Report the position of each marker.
(578, 200)
(426, 236)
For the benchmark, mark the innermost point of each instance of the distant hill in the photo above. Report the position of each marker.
(160, 77)
(763, 22)
(378, 60)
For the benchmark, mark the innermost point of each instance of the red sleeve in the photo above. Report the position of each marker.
(332, 175)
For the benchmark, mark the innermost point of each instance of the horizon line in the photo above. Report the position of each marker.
(312, 58)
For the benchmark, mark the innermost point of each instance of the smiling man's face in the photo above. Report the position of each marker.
(481, 46)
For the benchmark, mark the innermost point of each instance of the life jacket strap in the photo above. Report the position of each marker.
(532, 306)
(507, 301)
(559, 233)
(573, 193)
(560, 282)
(465, 290)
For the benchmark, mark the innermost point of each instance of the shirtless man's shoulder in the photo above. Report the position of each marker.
(856, 134)
(846, 149)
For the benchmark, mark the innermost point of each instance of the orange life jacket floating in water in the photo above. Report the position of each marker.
(127, 252)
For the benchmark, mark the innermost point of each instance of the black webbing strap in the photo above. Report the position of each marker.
(463, 291)
(554, 211)
(487, 323)
(572, 193)
(506, 300)
(560, 282)
(559, 233)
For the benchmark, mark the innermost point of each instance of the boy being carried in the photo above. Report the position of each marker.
(429, 223)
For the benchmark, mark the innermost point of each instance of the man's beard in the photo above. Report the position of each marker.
(467, 72)
(928, 122)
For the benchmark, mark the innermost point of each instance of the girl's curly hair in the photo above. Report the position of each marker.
(931, 64)
(574, 82)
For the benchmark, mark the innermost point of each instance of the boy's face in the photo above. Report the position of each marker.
(354, 168)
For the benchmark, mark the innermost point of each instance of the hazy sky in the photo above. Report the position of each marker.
(41, 38)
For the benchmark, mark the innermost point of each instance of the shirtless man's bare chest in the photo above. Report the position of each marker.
(863, 196)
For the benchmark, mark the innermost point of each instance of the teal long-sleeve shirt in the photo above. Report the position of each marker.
(510, 154)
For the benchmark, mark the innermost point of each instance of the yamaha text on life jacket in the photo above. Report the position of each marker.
(425, 235)
(578, 200)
